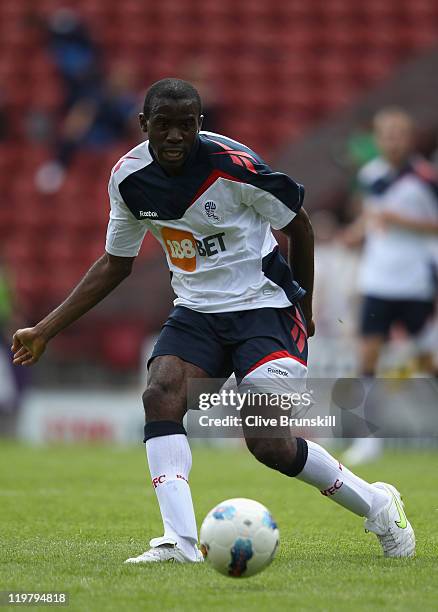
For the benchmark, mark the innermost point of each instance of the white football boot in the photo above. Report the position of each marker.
(391, 526)
(164, 550)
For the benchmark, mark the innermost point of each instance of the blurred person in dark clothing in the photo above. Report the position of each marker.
(101, 118)
(98, 107)
(74, 54)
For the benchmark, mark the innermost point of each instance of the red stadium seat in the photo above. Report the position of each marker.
(23, 252)
(277, 67)
(211, 9)
(121, 343)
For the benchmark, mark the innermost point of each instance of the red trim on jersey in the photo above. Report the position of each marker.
(235, 159)
(249, 165)
(239, 153)
(212, 178)
(120, 162)
(425, 170)
(241, 158)
(273, 357)
(230, 149)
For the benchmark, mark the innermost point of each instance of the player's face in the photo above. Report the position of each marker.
(394, 137)
(172, 128)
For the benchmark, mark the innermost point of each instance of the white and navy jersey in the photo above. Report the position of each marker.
(398, 263)
(213, 222)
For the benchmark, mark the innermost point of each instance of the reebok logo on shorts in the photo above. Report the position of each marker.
(278, 371)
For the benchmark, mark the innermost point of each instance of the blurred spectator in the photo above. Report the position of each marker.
(434, 156)
(361, 145)
(359, 148)
(11, 381)
(5, 301)
(74, 54)
(101, 118)
(98, 107)
(197, 72)
(334, 311)
(400, 226)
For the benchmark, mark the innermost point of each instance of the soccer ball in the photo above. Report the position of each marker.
(239, 537)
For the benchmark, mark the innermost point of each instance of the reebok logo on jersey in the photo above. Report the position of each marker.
(148, 213)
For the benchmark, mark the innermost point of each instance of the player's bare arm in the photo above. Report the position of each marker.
(107, 272)
(353, 235)
(415, 225)
(301, 259)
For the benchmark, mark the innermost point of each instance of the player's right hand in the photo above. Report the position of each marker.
(28, 345)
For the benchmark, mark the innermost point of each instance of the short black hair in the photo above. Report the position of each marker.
(175, 89)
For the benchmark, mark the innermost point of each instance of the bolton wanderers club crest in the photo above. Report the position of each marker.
(210, 209)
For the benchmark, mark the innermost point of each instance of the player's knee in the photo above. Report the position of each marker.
(155, 401)
(287, 456)
(163, 402)
(271, 453)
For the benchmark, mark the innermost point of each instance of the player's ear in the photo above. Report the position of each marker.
(143, 122)
(200, 120)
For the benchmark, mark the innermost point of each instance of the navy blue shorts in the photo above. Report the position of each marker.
(239, 342)
(378, 315)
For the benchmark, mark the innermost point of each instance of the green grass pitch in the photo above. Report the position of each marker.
(70, 516)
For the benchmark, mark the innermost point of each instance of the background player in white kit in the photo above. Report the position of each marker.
(398, 271)
(236, 308)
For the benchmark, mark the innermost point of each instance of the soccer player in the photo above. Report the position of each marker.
(210, 202)
(400, 225)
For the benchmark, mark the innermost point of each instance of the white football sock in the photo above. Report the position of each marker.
(340, 484)
(170, 460)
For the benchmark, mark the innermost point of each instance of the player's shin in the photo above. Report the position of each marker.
(337, 482)
(170, 461)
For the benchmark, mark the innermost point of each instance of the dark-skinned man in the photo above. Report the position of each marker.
(211, 202)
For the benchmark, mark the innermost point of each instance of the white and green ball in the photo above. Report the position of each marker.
(239, 537)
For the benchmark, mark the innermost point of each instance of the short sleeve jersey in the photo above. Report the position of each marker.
(398, 263)
(213, 222)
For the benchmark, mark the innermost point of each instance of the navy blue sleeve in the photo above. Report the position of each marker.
(274, 195)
